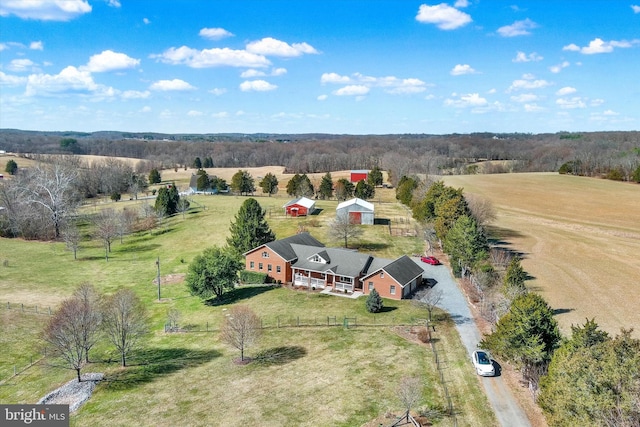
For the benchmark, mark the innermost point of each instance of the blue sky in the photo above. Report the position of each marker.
(330, 66)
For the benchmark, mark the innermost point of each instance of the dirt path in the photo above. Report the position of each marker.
(505, 406)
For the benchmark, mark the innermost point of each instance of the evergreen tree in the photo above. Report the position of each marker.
(326, 187)
(167, 200)
(344, 189)
(448, 210)
(404, 190)
(250, 229)
(197, 163)
(292, 185)
(374, 302)
(375, 176)
(154, 177)
(514, 278)
(364, 190)
(242, 182)
(12, 167)
(269, 184)
(208, 162)
(636, 175)
(466, 245)
(203, 183)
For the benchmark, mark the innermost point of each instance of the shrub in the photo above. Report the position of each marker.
(253, 277)
(424, 335)
(374, 303)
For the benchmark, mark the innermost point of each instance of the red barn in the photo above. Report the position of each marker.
(301, 206)
(359, 175)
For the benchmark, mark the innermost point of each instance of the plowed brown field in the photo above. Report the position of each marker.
(580, 239)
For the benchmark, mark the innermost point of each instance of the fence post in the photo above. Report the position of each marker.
(207, 326)
(278, 317)
(8, 305)
(36, 308)
(22, 305)
(298, 321)
(49, 311)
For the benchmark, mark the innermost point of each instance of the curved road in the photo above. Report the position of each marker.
(505, 406)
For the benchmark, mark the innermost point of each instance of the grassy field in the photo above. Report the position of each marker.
(580, 239)
(303, 376)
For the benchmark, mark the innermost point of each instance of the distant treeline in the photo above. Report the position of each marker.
(596, 153)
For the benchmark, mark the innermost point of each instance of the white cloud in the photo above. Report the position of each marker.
(567, 90)
(220, 115)
(322, 97)
(270, 46)
(70, 80)
(3, 46)
(523, 57)
(257, 85)
(518, 28)
(109, 60)
(21, 65)
(247, 74)
(134, 94)
(9, 80)
(527, 82)
(114, 3)
(532, 108)
(635, 8)
(218, 91)
(598, 45)
(146, 21)
(45, 10)
(215, 57)
(557, 68)
(443, 16)
(492, 90)
(575, 102)
(36, 45)
(461, 3)
(525, 97)
(215, 33)
(334, 78)
(171, 85)
(351, 90)
(610, 113)
(278, 71)
(460, 70)
(195, 113)
(466, 101)
(145, 109)
(596, 102)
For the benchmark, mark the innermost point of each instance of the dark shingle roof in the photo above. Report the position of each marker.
(342, 262)
(403, 270)
(283, 246)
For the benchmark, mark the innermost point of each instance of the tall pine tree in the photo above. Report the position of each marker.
(249, 229)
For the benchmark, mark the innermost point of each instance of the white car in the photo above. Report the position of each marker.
(483, 364)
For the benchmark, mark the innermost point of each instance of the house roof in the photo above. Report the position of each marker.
(360, 171)
(403, 270)
(302, 201)
(283, 247)
(342, 262)
(355, 201)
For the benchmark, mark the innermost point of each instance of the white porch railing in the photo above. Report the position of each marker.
(301, 280)
(341, 286)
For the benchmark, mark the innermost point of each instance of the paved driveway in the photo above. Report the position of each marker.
(505, 406)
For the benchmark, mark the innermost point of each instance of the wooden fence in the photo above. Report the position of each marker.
(25, 308)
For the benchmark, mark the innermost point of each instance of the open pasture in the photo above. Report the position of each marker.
(579, 238)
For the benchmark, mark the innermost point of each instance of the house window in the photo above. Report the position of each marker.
(268, 267)
(260, 266)
(392, 289)
(370, 286)
(252, 265)
(278, 269)
(382, 274)
(265, 254)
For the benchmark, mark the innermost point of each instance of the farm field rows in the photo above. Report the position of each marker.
(580, 240)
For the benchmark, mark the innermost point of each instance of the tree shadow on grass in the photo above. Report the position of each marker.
(386, 309)
(279, 355)
(238, 294)
(372, 246)
(153, 363)
(136, 248)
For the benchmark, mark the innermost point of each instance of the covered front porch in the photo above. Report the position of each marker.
(322, 280)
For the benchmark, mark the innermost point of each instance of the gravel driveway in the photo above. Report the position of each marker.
(505, 406)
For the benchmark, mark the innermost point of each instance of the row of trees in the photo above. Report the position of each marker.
(87, 318)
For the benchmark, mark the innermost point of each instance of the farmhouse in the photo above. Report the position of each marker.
(358, 210)
(301, 260)
(359, 175)
(301, 206)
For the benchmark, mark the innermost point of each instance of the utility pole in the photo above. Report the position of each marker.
(158, 264)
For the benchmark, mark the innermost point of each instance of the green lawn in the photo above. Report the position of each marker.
(303, 376)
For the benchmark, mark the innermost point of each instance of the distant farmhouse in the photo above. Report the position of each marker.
(359, 211)
(301, 260)
(301, 206)
(193, 187)
(359, 175)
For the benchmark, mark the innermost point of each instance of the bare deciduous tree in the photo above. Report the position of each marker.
(429, 298)
(71, 237)
(344, 228)
(89, 300)
(409, 392)
(481, 209)
(241, 328)
(125, 321)
(64, 333)
(107, 226)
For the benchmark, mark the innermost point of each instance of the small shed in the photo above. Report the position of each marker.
(358, 210)
(301, 206)
(359, 175)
